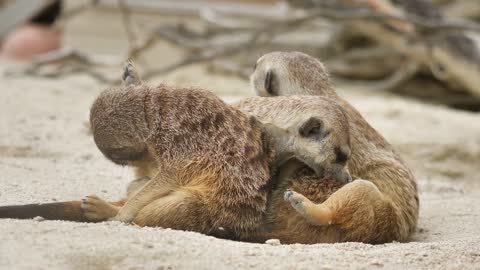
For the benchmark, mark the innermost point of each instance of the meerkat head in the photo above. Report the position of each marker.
(324, 146)
(118, 125)
(318, 137)
(290, 73)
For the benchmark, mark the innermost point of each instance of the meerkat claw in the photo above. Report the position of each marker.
(287, 195)
(295, 199)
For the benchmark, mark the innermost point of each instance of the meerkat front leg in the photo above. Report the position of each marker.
(156, 188)
(136, 185)
(97, 209)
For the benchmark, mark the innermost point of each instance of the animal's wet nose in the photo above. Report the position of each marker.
(342, 176)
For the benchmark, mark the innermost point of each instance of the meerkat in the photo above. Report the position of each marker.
(203, 159)
(380, 206)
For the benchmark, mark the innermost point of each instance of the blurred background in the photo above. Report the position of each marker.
(422, 49)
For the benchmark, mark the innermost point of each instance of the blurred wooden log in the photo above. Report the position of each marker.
(403, 74)
(263, 8)
(466, 9)
(425, 38)
(365, 63)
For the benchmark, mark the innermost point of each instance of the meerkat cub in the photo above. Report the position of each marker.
(382, 204)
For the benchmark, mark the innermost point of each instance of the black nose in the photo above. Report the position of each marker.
(342, 176)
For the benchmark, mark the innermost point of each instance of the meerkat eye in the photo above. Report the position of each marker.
(313, 127)
(269, 77)
(313, 131)
(342, 153)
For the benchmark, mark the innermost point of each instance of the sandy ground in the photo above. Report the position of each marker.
(46, 155)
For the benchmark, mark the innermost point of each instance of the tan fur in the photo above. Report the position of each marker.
(381, 208)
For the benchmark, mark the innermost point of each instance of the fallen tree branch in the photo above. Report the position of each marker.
(368, 15)
(406, 72)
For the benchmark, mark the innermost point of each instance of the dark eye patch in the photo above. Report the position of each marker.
(313, 131)
(343, 154)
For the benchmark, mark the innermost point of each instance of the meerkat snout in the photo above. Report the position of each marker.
(340, 172)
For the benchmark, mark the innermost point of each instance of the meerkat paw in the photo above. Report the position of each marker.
(315, 214)
(295, 199)
(96, 209)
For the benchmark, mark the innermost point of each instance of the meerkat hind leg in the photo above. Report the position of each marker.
(152, 190)
(317, 214)
(348, 206)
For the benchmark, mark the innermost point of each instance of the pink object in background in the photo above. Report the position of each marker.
(30, 40)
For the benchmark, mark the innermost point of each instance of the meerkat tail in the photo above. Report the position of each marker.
(130, 75)
(69, 211)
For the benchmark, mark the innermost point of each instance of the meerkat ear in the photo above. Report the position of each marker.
(313, 127)
(269, 77)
